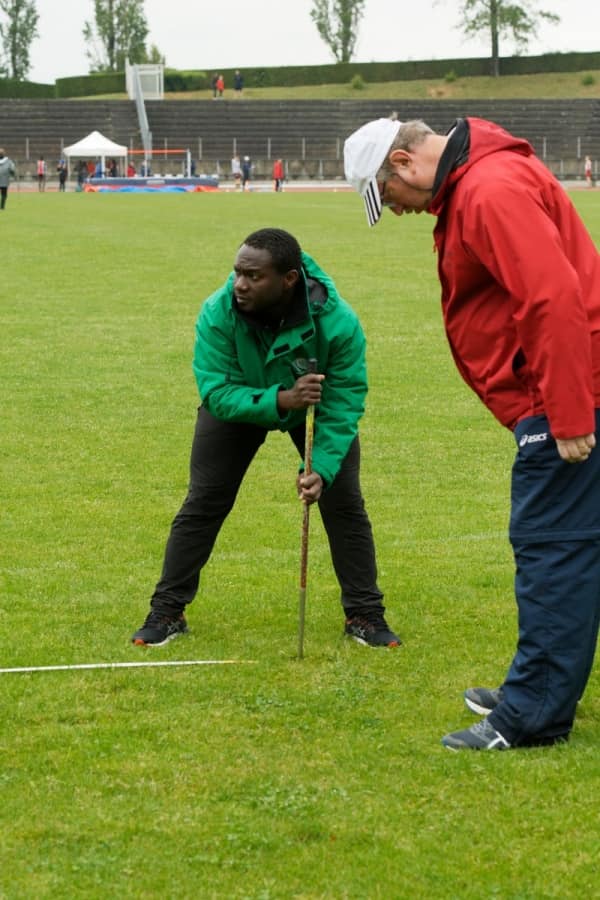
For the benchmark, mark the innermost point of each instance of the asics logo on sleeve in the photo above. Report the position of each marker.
(533, 438)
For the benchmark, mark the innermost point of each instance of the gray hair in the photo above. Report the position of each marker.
(410, 135)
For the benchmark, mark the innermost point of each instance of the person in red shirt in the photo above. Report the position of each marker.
(278, 175)
(41, 173)
(520, 280)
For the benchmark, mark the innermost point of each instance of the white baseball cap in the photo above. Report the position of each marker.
(364, 153)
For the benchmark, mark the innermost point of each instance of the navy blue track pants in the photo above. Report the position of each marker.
(555, 535)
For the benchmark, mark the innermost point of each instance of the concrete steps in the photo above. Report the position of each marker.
(307, 134)
(32, 128)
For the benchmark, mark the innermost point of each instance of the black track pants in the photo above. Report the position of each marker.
(221, 454)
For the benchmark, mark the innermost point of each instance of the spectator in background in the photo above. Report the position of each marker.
(62, 174)
(278, 175)
(213, 84)
(236, 171)
(82, 173)
(98, 173)
(7, 170)
(220, 86)
(130, 170)
(587, 170)
(246, 172)
(238, 83)
(41, 174)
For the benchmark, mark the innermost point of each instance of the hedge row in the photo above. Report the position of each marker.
(377, 72)
(10, 88)
(177, 80)
(90, 85)
(288, 76)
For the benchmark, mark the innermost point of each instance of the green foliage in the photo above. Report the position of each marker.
(337, 23)
(155, 56)
(274, 779)
(502, 18)
(91, 85)
(411, 70)
(588, 80)
(117, 34)
(16, 36)
(450, 76)
(549, 62)
(31, 89)
(357, 83)
(259, 77)
(375, 75)
(564, 79)
(176, 80)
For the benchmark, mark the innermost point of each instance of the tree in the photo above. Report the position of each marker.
(501, 18)
(118, 33)
(155, 56)
(337, 23)
(16, 36)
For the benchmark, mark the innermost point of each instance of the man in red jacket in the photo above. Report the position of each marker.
(520, 279)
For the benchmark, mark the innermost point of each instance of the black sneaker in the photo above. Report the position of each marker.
(159, 628)
(372, 631)
(482, 700)
(480, 736)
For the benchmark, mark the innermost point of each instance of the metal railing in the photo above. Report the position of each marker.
(135, 90)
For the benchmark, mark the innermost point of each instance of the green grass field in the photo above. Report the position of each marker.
(278, 778)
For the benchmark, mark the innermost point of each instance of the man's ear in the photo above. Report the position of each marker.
(290, 278)
(401, 158)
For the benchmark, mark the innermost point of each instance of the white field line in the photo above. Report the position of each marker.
(129, 665)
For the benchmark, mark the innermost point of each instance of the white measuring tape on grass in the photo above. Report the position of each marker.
(129, 665)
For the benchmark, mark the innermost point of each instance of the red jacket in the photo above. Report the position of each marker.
(520, 280)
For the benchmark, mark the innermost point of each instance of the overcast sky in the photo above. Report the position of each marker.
(193, 34)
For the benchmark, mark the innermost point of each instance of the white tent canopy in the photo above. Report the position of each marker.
(94, 145)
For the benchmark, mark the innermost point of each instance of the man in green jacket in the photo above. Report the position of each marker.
(254, 337)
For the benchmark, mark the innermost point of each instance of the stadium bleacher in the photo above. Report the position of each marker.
(307, 134)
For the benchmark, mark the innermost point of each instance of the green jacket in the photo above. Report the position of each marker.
(240, 366)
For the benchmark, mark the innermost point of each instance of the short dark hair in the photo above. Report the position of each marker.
(282, 246)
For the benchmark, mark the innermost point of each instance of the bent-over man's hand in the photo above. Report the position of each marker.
(310, 487)
(306, 391)
(576, 450)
